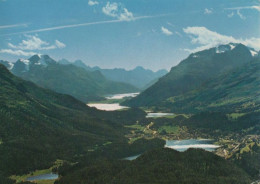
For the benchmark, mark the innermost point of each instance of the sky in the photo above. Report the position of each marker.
(155, 34)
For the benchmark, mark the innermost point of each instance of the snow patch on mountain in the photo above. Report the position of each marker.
(253, 53)
(41, 62)
(232, 46)
(225, 48)
(27, 64)
(11, 65)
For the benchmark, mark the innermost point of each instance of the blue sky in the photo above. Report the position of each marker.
(124, 34)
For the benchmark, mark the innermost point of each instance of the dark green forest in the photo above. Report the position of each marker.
(160, 166)
(38, 126)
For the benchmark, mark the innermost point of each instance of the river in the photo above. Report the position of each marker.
(183, 145)
(158, 114)
(112, 106)
(179, 145)
(49, 176)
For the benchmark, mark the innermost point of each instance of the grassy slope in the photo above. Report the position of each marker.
(236, 91)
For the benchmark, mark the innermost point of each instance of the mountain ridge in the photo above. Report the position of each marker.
(228, 91)
(30, 115)
(68, 79)
(138, 77)
(193, 72)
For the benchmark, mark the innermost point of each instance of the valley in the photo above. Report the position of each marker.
(129, 92)
(56, 139)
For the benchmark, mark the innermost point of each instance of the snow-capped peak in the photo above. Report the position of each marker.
(24, 65)
(232, 46)
(25, 61)
(42, 60)
(224, 48)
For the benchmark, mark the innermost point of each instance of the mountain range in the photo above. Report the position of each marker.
(67, 79)
(39, 126)
(222, 76)
(34, 121)
(138, 77)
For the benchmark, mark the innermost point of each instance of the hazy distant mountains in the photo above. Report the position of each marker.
(79, 80)
(138, 77)
(222, 76)
(67, 79)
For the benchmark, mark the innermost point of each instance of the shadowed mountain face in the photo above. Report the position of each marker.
(68, 79)
(38, 126)
(193, 72)
(138, 77)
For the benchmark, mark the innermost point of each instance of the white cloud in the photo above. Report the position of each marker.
(245, 7)
(170, 24)
(241, 15)
(208, 11)
(208, 39)
(237, 9)
(126, 15)
(11, 26)
(92, 3)
(59, 44)
(230, 15)
(256, 7)
(177, 33)
(17, 52)
(32, 43)
(110, 9)
(166, 31)
(116, 10)
(81, 25)
(35, 43)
